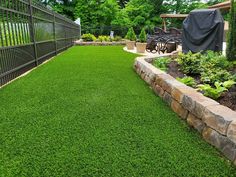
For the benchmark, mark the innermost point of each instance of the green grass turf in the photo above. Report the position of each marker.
(87, 113)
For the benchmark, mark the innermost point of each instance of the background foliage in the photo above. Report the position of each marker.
(101, 16)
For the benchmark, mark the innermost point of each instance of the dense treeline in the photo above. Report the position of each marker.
(100, 16)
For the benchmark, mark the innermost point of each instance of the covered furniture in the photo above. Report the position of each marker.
(203, 30)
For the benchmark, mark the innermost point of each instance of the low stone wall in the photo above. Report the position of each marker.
(99, 43)
(215, 122)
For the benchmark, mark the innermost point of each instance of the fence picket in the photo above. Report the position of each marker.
(30, 34)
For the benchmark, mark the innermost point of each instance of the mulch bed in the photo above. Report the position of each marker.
(227, 99)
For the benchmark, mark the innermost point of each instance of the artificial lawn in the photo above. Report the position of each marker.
(87, 113)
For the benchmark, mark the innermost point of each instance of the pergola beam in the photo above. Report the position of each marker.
(174, 15)
(164, 16)
(224, 5)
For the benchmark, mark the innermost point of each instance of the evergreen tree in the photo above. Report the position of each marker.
(231, 45)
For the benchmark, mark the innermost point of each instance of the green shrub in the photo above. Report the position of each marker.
(214, 68)
(162, 63)
(107, 38)
(88, 37)
(189, 81)
(213, 75)
(231, 43)
(117, 38)
(100, 38)
(128, 35)
(143, 36)
(220, 88)
(234, 63)
(212, 92)
(189, 63)
(234, 77)
(131, 35)
(212, 60)
(211, 66)
(228, 84)
(104, 38)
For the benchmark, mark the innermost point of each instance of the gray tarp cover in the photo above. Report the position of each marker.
(203, 30)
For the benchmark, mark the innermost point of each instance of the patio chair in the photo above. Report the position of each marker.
(159, 31)
(175, 32)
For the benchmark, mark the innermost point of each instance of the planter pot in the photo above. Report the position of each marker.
(141, 47)
(130, 45)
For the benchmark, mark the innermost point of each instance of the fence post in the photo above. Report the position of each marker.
(54, 32)
(32, 32)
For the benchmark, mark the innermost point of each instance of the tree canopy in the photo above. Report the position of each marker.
(100, 16)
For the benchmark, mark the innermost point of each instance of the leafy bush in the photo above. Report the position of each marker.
(162, 63)
(100, 38)
(213, 75)
(212, 60)
(211, 92)
(143, 36)
(190, 63)
(234, 77)
(88, 37)
(117, 38)
(211, 66)
(107, 39)
(189, 81)
(219, 89)
(228, 84)
(104, 38)
(234, 63)
(131, 35)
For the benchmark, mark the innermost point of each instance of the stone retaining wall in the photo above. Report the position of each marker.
(215, 122)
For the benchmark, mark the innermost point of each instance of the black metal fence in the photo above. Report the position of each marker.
(30, 34)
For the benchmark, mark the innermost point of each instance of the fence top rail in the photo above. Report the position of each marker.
(41, 6)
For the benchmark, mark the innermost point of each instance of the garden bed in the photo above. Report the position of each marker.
(207, 78)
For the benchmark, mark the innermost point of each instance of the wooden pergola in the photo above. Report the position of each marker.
(164, 16)
(224, 5)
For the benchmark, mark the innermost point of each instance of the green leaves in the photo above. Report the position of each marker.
(212, 75)
(131, 35)
(143, 36)
(189, 81)
(88, 37)
(162, 63)
(212, 92)
(189, 63)
(104, 38)
(211, 66)
(228, 84)
(219, 89)
(213, 70)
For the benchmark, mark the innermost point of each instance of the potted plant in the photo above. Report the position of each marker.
(141, 45)
(131, 38)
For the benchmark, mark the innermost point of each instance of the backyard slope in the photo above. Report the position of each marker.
(87, 113)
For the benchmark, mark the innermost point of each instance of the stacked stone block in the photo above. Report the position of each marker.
(215, 122)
